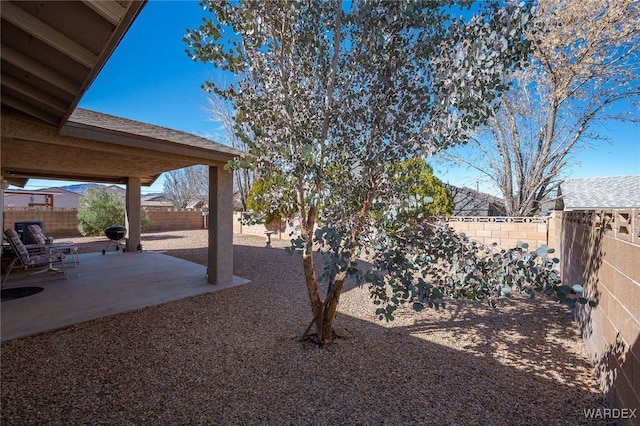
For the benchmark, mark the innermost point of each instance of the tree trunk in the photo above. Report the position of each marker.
(331, 306)
(317, 307)
(326, 314)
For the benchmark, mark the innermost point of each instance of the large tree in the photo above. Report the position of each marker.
(188, 186)
(221, 111)
(583, 72)
(333, 93)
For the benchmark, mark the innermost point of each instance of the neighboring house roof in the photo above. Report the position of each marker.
(156, 201)
(115, 189)
(155, 198)
(468, 202)
(614, 192)
(58, 190)
(48, 191)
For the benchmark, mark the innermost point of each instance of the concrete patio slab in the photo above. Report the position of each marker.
(100, 286)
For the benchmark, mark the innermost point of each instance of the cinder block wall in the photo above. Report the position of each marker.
(506, 232)
(56, 222)
(61, 223)
(535, 231)
(173, 220)
(601, 251)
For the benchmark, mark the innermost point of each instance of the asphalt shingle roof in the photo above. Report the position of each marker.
(616, 192)
(139, 128)
(469, 202)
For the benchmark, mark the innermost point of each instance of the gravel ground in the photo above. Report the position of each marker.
(231, 357)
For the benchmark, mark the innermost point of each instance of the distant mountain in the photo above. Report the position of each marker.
(80, 188)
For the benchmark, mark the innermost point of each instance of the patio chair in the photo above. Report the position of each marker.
(67, 247)
(28, 260)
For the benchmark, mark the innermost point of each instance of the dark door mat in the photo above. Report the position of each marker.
(18, 292)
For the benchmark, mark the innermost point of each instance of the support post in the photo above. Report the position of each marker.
(132, 214)
(5, 185)
(220, 257)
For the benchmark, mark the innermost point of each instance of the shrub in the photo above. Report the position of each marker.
(100, 208)
(271, 198)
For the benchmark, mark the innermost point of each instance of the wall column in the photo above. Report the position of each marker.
(220, 226)
(132, 214)
(5, 185)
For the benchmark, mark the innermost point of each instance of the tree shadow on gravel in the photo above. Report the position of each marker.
(529, 335)
(528, 332)
(227, 358)
(231, 357)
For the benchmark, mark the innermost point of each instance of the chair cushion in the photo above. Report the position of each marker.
(37, 234)
(16, 243)
(43, 259)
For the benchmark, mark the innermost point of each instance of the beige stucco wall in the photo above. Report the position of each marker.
(601, 251)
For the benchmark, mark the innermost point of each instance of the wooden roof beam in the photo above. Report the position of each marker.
(33, 93)
(109, 10)
(29, 109)
(48, 35)
(37, 69)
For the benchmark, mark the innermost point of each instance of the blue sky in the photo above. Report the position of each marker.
(150, 78)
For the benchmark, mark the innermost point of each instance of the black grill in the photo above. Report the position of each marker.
(115, 233)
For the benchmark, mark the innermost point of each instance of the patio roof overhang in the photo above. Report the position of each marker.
(96, 147)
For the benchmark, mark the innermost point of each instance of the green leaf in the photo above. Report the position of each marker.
(564, 289)
(542, 250)
(418, 306)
